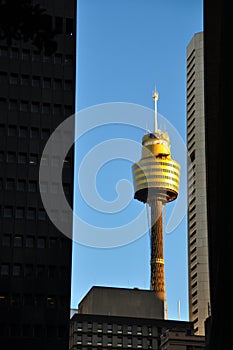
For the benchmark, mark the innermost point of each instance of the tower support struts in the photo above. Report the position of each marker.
(157, 255)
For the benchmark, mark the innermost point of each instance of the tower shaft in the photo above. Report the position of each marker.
(157, 259)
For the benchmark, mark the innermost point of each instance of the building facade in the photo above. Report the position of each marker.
(175, 339)
(37, 92)
(198, 270)
(113, 318)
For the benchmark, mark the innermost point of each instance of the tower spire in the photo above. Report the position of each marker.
(155, 98)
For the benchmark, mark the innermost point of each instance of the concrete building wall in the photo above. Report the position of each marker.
(122, 302)
(199, 297)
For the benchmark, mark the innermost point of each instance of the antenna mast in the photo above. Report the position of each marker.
(155, 97)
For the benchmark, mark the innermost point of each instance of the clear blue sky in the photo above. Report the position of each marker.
(124, 48)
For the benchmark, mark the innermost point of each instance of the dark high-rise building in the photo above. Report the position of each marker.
(37, 93)
(218, 111)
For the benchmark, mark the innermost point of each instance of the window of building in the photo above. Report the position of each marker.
(47, 83)
(22, 158)
(45, 133)
(119, 341)
(57, 109)
(109, 340)
(129, 342)
(21, 185)
(67, 110)
(13, 105)
(79, 339)
(2, 103)
(12, 130)
(46, 58)
(41, 214)
(51, 271)
(14, 79)
(57, 84)
(6, 240)
(68, 85)
(58, 58)
(36, 56)
(89, 339)
(35, 107)
(11, 157)
(45, 108)
(32, 186)
(31, 214)
(29, 242)
(139, 329)
(5, 270)
(23, 106)
(10, 184)
(52, 242)
(139, 342)
(119, 328)
(41, 242)
(1, 156)
(34, 133)
(40, 270)
(33, 159)
(16, 270)
(19, 213)
(8, 212)
(2, 129)
(89, 326)
(15, 300)
(23, 131)
(18, 241)
(68, 59)
(69, 26)
(51, 301)
(100, 327)
(79, 326)
(25, 55)
(99, 340)
(28, 270)
(109, 327)
(25, 80)
(14, 53)
(3, 51)
(129, 329)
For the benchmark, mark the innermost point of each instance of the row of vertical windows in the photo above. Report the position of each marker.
(109, 339)
(36, 81)
(35, 55)
(22, 185)
(26, 330)
(110, 328)
(33, 159)
(29, 270)
(21, 213)
(35, 107)
(24, 131)
(31, 241)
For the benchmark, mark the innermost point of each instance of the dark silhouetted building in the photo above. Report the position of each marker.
(218, 92)
(37, 92)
